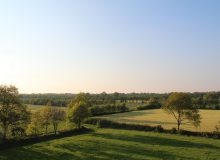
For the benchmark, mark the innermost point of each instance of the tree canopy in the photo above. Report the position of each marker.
(180, 106)
(13, 114)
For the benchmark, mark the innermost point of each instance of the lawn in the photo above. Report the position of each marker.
(160, 117)
(108, 144)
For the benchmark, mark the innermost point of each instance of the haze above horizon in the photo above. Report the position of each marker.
(51, 46)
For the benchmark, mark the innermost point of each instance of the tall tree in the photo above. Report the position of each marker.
(77, 113)
(180, 106)
(57, 116)
(46, 114)
(13, 113)
(81, 97)
(35, 124)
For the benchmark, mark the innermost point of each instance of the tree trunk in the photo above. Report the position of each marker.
(179, 121)
(55, 128)
(79, 125)
(46, 129)
(4, 137)
(178, 125)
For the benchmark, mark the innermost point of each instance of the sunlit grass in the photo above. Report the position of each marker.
(159, 117)
(108, 144)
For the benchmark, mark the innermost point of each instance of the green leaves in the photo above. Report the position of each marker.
(180, 106)
(78, 110)
(13, 114)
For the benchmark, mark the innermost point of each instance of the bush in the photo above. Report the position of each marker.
(173, 130)
(145, 107)
(159, 129)
(108, 109)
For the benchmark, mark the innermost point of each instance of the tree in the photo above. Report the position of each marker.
(77, 113)
(13, 114)
(81, 97)
(46, 114)
(180, 106)
(57, 116)
(36, 123)
(211, 100)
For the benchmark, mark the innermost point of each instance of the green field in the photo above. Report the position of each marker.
(108, 144)
(159, 117)
(34, 108)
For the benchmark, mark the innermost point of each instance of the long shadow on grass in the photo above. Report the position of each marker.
(97, 146)
(91, 150)
(36, 153)
(153, 140)
(97, 149)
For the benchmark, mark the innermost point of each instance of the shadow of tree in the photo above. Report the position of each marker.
(31, 153)
(153, 140)
(105, 146)
(120, 152)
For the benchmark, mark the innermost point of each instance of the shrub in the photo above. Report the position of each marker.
(173, 130)
(108, 109)
(145, 107)
(159, 129)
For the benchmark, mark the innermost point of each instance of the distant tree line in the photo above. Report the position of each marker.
(203, 100)
(108, 109)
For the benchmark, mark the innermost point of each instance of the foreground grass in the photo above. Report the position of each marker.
(159, 117)
(108, 144)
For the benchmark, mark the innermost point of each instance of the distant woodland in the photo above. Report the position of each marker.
(201, 100)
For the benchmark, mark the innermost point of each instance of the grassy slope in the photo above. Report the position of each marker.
(158, 117)
(108, 144)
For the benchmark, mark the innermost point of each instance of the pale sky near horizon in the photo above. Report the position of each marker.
(67, 46)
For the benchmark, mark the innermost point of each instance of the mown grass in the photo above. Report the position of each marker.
(108, 144)
(159, 117)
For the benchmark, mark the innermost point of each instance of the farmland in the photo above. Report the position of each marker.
(107, 144)
(34, 108)
(159, 117)
(154, 117)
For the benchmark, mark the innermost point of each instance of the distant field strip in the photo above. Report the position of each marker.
(34, 108)
(159, 117)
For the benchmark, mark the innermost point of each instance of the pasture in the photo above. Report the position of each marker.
(34, 108)
(159, 117)
(108, 144)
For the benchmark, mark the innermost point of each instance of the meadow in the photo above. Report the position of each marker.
(34, 108)
(108, 144)
(209, 119)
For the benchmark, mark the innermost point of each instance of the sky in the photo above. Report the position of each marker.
(67, 46)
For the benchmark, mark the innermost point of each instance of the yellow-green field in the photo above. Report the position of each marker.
(34, 108)
(159, 117)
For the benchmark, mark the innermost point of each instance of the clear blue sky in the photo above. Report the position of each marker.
(110, 45)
